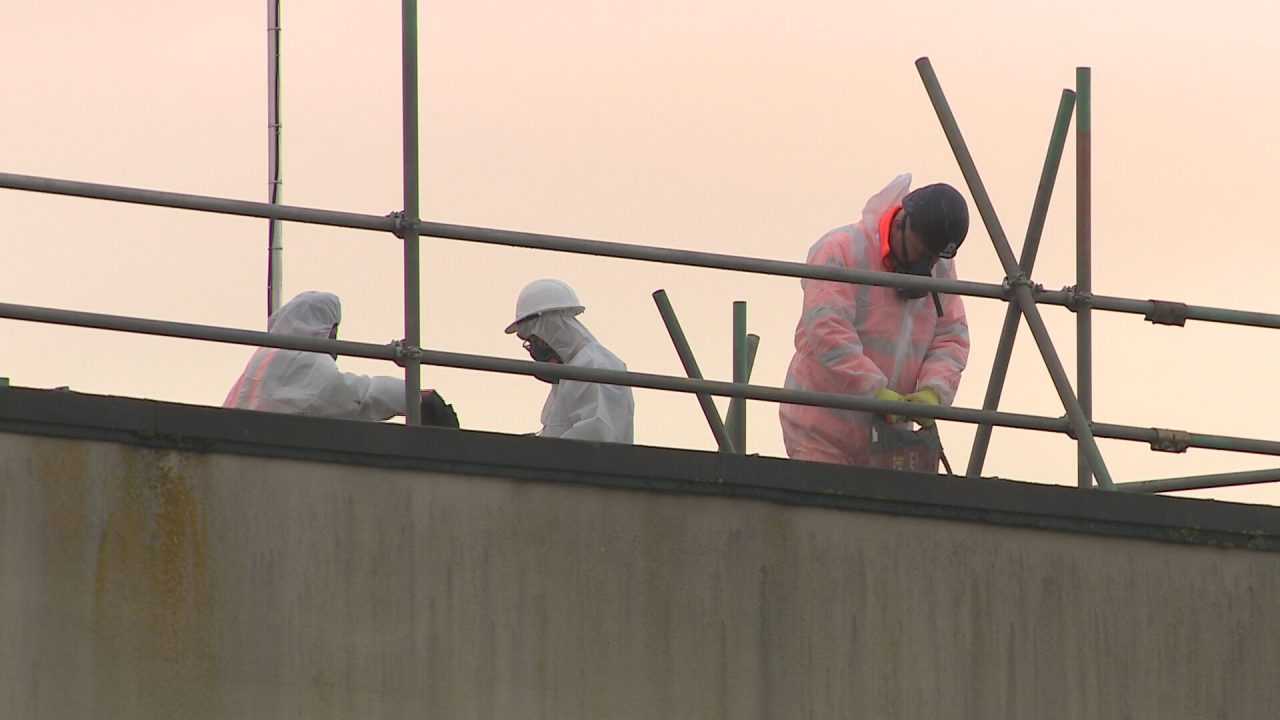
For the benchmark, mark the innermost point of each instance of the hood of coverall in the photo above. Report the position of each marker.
(890, 195)
(559, 329)
(309, 314)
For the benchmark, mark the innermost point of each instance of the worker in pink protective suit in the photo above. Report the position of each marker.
(879, 342)
(310, 383)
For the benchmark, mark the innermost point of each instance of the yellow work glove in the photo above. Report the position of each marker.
(885, 393)
(928, 396)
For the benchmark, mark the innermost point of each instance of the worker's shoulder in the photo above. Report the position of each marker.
(595, 355)
(855, 231)
(847, 241)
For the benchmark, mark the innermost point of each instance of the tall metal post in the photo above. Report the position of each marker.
(1018, 280)
(409, 227)
(275, 229)
(1027, 261)
(753, 344)
(737, 421)
(1084, 263)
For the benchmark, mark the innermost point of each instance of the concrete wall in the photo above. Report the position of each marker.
(148, 583)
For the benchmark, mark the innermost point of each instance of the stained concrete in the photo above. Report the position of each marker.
(154, 582)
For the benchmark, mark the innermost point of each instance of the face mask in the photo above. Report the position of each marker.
(922, 267)
(540, 351)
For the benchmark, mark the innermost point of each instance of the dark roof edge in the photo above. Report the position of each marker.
(986, 500)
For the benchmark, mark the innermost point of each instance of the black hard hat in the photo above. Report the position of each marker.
(939, 216)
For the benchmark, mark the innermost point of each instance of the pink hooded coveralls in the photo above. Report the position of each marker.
(855, 339)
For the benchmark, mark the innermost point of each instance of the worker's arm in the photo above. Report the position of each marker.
(352, 395)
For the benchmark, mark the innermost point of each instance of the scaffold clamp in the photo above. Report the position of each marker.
(405, 352)
(1167, 313)
(1019, 280)
(1077, 299)
(399, 218)
(1172, 441)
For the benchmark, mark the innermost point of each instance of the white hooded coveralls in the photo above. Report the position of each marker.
(309, 383)
(582, 410)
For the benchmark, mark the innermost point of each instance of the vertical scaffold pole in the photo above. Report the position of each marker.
(1084, 263)
(1019, 281)
(753, 345)
(1027, 261)
(275, 229)
(737, 422)
(409, 103)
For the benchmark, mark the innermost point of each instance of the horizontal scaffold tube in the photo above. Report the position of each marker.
(201, 203)
(1202, 482)
(439, 358)
(189, 331)
(386, 223)
(717, 261)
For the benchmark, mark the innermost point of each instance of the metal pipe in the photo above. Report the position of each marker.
(723, 441)
(717, 261)
(726, 389)
(1191, 440)
(1133, 306)
(201, 203)
(399, 353)
(1084, 266)
(1021, 285)
(753, 344)
(1202, 482)
(275, 231)
(833, 400)
(190, 331)
(1027, 261)
(737, 415)
(409, 229)
(692, 258)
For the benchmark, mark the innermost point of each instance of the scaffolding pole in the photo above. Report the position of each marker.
(408, 229)
(1020, 283)
(201, 203)
(1084, 265)
(398, 353)
(1153, 310)
(275, 231)
(1202, 482)
(737, 413)
(1027, 261)
(753, 344)
(690, 363)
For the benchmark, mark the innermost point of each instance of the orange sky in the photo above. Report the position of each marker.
(745, 128)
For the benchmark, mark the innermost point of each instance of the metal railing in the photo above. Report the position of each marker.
(1024, 298)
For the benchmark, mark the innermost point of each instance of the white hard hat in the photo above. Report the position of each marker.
(542, 296)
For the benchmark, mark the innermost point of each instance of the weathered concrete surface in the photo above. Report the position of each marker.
(145, 583)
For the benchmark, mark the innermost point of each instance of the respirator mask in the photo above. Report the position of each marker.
(923, 267)
(540, 351)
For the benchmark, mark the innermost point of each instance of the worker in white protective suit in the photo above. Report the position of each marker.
(546, 321)
(310, 383)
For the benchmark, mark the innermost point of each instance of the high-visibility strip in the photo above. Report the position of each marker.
(249, 392)
(886, 222)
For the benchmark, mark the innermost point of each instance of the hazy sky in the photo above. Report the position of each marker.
(736, 127)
